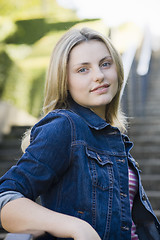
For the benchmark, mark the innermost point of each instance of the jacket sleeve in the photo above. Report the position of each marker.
(46, 159)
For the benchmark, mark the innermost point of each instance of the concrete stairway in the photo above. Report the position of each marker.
(145, 133)
(13, 123)
(10, 152)
(10, 148)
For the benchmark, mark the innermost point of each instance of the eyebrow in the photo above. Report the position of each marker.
(86, 63)
(105, 58)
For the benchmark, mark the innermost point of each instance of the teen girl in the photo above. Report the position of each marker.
(78, 159)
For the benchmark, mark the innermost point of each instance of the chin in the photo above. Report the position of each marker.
(105, 102)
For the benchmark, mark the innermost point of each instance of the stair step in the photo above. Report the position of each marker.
(151, 182)
(10, 148)
(147, 149)
(17, 131)
(144, 130)
(155, 113)
(157, 213)
(139, 153)
(154, 197)
(12, 152)
(10, 143)
(145, 133)
(146, 139)
(9, 157)
(144, 120)
(148, 142)
(151, 166)
(4, 170)
(153, 102)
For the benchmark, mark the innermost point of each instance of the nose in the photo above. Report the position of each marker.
(98, 75)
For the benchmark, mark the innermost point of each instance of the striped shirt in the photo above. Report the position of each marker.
(133, 188)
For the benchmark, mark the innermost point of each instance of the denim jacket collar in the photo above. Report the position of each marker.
(92, 119)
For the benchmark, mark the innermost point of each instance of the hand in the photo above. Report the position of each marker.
(84, 231)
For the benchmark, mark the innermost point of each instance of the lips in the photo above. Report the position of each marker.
(100, 87)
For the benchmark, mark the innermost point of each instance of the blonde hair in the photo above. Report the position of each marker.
(56, 94)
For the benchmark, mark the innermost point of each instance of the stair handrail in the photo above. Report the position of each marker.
(144, 59)
(134, 99)
(127, 59)
(18, 236)
(143, 70)
(145, 54)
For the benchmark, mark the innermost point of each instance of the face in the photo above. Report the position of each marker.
(92, 76)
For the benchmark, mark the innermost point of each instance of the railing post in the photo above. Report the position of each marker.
(128, 58)
(18, 236)
(143, 68)
(137, 77)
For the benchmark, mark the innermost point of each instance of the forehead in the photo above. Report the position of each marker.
(89, 50)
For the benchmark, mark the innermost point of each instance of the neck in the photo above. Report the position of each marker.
(101, 112)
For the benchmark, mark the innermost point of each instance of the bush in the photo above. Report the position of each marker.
(5, 65)
(31, 30)
(36, 95)
(22, 76)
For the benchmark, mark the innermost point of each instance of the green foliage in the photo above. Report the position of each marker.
(24, 9)
(24, 88)
(28, 32)
(31, 30)
(13, 7)
(36, 94)
(10, 88)
(5, 65)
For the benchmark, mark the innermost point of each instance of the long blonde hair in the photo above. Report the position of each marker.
(56, 94)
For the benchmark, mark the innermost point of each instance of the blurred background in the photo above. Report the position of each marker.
(29, 30)
(28, 33)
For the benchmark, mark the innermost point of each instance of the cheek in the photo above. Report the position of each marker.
(72, 87)
(77, 85)
(75, 89)
(71, 84)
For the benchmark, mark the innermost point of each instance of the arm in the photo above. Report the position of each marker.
(25, 216)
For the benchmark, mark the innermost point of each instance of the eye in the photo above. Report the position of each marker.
(82, 70)
(106, 64)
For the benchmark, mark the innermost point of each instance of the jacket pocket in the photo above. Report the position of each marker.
(101, 169)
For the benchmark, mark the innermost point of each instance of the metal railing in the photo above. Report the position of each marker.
(136, 76)
(18, 236)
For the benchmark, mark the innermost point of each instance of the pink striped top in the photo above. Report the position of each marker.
(133, 188)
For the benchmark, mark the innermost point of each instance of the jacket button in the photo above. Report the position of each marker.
(144, 197)
(121, 160)
(123, 194)
(125, 228)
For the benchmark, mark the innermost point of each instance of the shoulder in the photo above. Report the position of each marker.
(58, 116)
(53, 123)
(59, 122)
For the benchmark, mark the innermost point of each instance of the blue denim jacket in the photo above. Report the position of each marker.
(78, 164)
